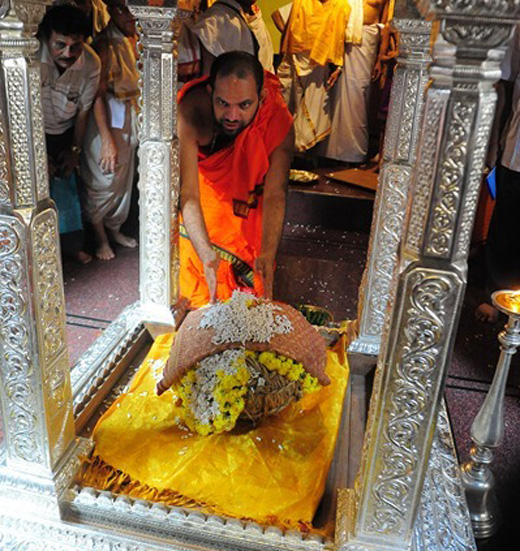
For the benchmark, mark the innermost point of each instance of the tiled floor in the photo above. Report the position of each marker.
(321, 261)
(95, 294)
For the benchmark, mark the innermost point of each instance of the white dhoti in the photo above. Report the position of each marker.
(348, 140)
(107, 196)
(303, 84)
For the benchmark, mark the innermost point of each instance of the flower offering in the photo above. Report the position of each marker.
(244, 359)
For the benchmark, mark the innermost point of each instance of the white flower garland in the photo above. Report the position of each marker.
(243, 318)
(202, 403)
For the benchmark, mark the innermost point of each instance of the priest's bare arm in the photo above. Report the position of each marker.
(275, 195)
(189, 140)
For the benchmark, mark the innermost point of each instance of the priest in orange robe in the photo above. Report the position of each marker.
(236, 142)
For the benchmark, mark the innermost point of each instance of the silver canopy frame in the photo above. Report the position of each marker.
(408, 494)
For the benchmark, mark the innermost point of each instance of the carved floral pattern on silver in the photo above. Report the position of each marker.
(400, 149)
(158, 169)
(423, 183)
(424, 327)
(414, 38)
(443, 522)
(410, 113)
(153, 186)
(447, 197)
(49, 286)
(40, 152)
(394, 115)
(478, 152)
(395, 181)
(18, 396)
(19, 134)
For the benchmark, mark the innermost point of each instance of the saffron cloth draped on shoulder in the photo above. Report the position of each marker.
(231, 186)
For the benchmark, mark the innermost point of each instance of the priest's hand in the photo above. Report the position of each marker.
(211, 262)
(264, 266)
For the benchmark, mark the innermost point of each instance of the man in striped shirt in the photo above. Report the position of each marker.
(70, 72)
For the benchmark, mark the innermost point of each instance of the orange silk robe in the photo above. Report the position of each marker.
(231, 186)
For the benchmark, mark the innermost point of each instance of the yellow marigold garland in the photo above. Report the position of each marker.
(294, 371)
(231, 387)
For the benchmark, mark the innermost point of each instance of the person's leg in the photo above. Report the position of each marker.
(122, 239)
(122, 182)
(72, 242)
(72, 246)
(349, 97)
(103, 249)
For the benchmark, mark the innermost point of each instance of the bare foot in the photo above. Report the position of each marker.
(82, 257)
(123, 240)
(105, 252)
(486, 313)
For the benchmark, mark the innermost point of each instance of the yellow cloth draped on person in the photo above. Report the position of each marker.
(318, 29)
(274, 473)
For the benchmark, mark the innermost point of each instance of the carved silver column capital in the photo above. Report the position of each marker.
(460, 98)
(414, 38)
(501, 10)
(19, 22)
(30, 13)
(27, 162)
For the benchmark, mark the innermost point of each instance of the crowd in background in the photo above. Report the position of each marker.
(329, 54)
(89, 98)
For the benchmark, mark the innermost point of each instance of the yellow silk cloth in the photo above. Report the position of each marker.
(318, 29)
(274, 473)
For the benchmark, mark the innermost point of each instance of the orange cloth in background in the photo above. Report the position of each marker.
(274, 473)
(231, 181)
(317, 28)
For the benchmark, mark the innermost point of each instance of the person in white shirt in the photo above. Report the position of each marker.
(70, 73)
(233, 25)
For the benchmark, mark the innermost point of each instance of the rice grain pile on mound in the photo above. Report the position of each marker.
(247, 358)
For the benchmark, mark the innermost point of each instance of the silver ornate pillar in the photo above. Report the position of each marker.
(36, 405)
(40, 448)
(158, 159)
(399, 155)
(459, 109)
